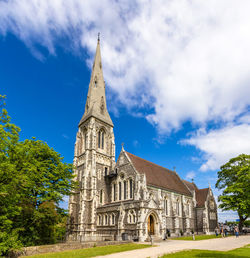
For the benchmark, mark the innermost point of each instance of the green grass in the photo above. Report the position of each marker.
(197, 237)
(94, 251)
(236, 253)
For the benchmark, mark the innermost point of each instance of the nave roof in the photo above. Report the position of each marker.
(159, 176)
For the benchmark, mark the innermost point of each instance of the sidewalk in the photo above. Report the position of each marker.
(169, 246)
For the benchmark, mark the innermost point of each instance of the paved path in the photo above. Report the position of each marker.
(169, 246)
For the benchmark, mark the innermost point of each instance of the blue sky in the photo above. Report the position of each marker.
(177, 76)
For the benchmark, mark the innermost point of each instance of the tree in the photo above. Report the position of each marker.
(33, 181)
(45, 181)
(9, 199)
(234, 180)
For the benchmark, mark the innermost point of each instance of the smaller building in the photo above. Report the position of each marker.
(205, 208)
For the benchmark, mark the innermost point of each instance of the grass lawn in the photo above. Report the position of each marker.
(236, 253)
(197, 237)
(94, 251)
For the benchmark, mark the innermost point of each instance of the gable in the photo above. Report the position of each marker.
(124, 165)
(201, 196)
(122, 159)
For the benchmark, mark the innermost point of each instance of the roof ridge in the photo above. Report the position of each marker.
(203, 189)
(152, 163)
(192, 183)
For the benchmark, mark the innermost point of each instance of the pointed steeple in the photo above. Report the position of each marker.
(96, 99)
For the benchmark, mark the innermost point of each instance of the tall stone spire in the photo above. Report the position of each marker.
(96, 100)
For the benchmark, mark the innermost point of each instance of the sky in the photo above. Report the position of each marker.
(177, 77)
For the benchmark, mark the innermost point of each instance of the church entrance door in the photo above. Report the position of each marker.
(151, 226)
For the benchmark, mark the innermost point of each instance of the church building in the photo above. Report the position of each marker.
(131, 198)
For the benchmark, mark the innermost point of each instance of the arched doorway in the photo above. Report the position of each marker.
(151, 225)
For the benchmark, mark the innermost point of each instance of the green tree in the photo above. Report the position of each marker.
(9, 178)
(60, 228)
(45, 181)
(234, 180)
(33, 181)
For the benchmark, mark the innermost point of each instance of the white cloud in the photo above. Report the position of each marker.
(218, 146)
(227, 216)
(190, 175)
(136, 143)
(183, 61)
(65, 136)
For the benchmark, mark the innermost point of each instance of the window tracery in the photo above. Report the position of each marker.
(131, 217)
(101, 137)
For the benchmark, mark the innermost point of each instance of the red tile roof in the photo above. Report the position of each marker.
(201, 196)
(191, 186)
(159, 176)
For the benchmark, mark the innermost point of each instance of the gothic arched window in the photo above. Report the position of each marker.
(113, 219)
(131, 217)
(85, 140)
(130, 188)
(166, 206)
(101, 196)
(114, 192)
(187, 209)
(101, 136)
(120, 190)
(134, 218)
(99, 221)
(106, 219)
(125, 189)
(178, 208)
(79, 149)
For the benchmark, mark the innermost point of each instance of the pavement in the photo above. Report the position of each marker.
(170, 246)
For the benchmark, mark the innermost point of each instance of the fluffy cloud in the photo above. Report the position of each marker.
(227, 216)
(218, 146)
(190, 175)
(175, 61)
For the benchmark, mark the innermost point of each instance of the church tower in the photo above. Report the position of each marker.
(94, 158)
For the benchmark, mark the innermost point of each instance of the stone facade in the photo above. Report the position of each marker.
(132, 198)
